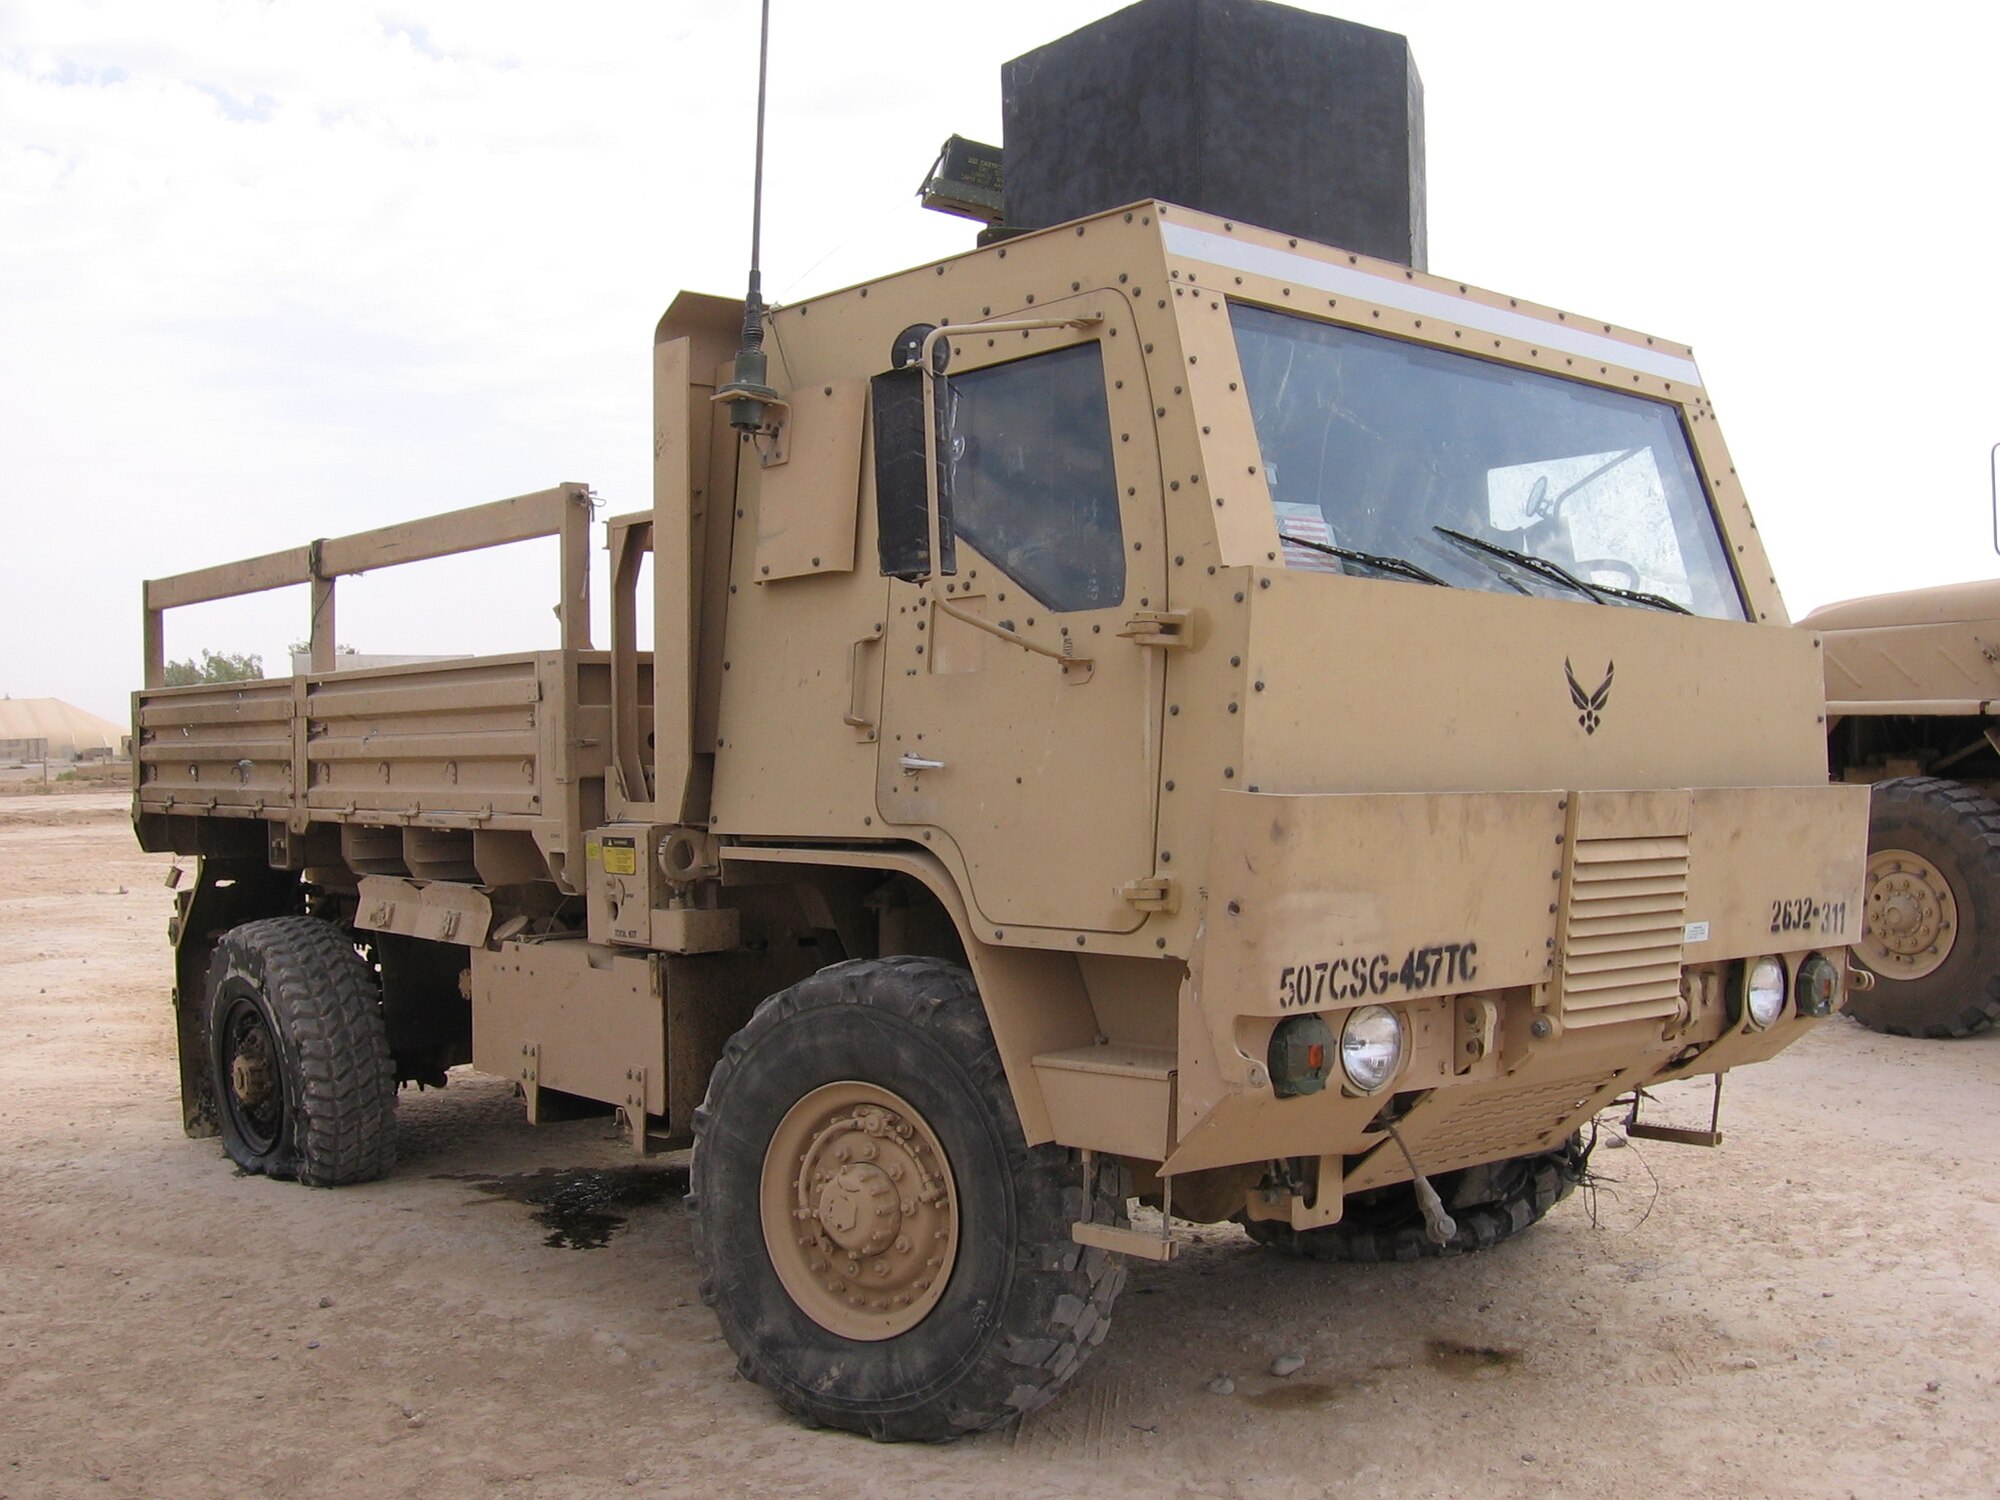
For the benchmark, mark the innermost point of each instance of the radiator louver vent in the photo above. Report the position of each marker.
(1622, 944)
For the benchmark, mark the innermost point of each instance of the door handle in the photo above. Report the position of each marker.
(856, 716)
(912, 764)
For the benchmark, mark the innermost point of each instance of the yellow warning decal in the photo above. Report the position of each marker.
(621, 857)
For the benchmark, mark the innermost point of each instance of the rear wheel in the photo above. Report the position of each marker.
(303, 1079)
(1488, 1204)
(1931, 936)
(883, 1249)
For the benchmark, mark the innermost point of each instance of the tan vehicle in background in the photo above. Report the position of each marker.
(1913, 689)
(1155, 707)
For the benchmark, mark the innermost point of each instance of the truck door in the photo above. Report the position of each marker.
(1040, 766)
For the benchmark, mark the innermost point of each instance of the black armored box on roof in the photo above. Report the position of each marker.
(1297, 122)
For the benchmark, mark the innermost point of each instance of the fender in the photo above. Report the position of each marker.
(1034, 998)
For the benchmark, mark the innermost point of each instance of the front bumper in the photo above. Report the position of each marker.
(1548, 950)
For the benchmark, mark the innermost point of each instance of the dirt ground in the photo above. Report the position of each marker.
(1807, 1311)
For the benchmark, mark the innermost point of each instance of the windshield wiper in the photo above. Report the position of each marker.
(1540, 566)
(1556, 572)
(1640, 596)
(1397, 565)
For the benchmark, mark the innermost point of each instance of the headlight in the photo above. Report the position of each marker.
(1372, 1045)
(1817, 989)
(1764, 991)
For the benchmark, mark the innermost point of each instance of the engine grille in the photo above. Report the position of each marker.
(1621, 949)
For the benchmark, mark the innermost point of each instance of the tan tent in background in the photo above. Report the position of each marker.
(65, 731)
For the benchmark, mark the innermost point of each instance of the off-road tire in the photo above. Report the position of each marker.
(325, 1110)
(1958, 830)
(1488, 1205)
(1024, 1304)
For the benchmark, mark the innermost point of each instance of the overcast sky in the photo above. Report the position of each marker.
(277, 271)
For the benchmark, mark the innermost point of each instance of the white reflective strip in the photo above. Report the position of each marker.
(1303, 270)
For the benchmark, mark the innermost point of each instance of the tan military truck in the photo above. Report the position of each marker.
(1913, 689)
(1157, 707)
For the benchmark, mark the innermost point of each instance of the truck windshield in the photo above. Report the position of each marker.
(1379, 452)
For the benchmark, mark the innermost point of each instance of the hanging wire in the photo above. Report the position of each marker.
(1993, 474)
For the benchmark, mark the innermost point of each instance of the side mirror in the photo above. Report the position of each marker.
(905, 482)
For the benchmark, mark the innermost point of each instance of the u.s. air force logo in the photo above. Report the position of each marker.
(1590, 706)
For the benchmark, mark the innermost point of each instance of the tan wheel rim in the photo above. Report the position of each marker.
(860, 1211)
(1910, 918)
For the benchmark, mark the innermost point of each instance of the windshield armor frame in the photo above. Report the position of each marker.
(1210, 263)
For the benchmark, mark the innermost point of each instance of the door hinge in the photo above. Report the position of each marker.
(1169, 629)
(1154, 893)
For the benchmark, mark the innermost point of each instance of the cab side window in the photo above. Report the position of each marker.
(1034, 487)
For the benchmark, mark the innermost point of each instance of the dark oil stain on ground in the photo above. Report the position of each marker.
(1450, 1357)
(1468, 1361)
(1304, 1395)
(1287, 1394)
(581, 1209)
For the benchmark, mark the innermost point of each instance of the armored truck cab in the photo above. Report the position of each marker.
(1157, 707)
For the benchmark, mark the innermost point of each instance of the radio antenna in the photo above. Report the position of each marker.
(748, 392)
(754, 332)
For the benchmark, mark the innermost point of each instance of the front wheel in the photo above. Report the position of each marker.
(884, 1250)
(1930, 934)
(1488, 1204)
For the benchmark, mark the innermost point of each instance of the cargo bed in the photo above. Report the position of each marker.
(483, 768)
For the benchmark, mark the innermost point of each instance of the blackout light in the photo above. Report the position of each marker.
(1300, 1056)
